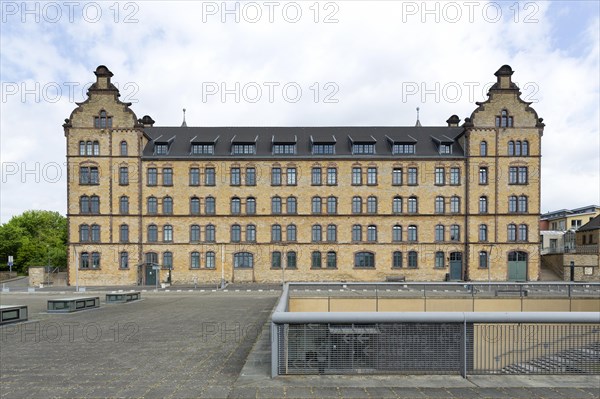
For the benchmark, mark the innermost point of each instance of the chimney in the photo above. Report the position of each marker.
(453, 121)
(503, 74)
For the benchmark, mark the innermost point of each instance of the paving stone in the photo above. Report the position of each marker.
(326, 392)
(380, 392)
(408, 392)
(298, 393)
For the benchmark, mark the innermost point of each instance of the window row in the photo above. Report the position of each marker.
(103, 121)
(89, 148)
(516, 148)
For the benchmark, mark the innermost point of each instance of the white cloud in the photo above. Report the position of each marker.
(371, 55)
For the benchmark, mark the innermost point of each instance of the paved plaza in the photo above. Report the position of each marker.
(202, 344)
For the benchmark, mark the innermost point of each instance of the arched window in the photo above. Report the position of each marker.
(483, 232)
(167, 260)
(331, 260)
(439, 260)
(512, 203)
(195, 206)
(152, 233)
(397, 233)
(195, 260)
(96, 145)
(291, 205)
(84, 233)
(124, 260)
(82, 148)
(95, 260)
(364, 259)
(123, 148)
(250, 206)
(316, 234)
(89, 148)
(413, 205)
(236, 233)
(397, 204)
(511, 148)
(372, 233)
(413, 260)
(483, 204)
(315, 260)
(251, 233)
(124, 205)
(455, 232)
(275, 260)
(194, 233)
(103, 121)
(483, 149)
(276, 205)
(331, 205)
(357, 232)
(439, 232)
(210, 234)
(316, 205)
(276, 233)
(397, 259)
(84, 262)
(372, 204)
(236, 205)
(518, 148)
(356, 205)
(522, 204)
(292, 258)
(167, 233)
(483, 260)
(331, 233)
(167, 205)
(512, 232)
(525, 148)
(243, 260)
(440, 205)
(124, 233)
(523, 232)
(291, 232)
(209, 206)
(210, 260)
(152, 205)
(504, 120)
(412, 233)
(455, 204)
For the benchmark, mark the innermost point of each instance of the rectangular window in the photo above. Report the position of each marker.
(445, 149)
(363, 148)
(124, 262)
(236, 178)
(371, 176)
(412, 177)
(152, 177)
(209, 176)
(455, 176)
(161, 148)
(323, 149)
(356, 176)
(167, 176)
(285, 149)
(291, 176)
(403, 149)
(88, 175)
(203, 149)
(194, 177)
(439, 260)
(440, 176)
(397, 260)
(250, 177)
(276, 176)
(276, 260)
(517, 175)
(243, 149)
(331, 176)
(397, 177)
(123, 175)
(316, 176)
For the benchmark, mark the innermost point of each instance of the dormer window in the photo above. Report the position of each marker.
(400, 148)
(363, 148)
(161, 148)
(445, 149)
(286, 149)
(203, 149)
(323, 149)
(504, 120)
(243, 149)
(103, 121)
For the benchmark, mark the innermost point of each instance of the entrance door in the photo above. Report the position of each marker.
(456, 269)
(150, 274)
(517, 266)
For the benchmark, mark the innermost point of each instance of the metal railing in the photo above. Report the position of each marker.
(433, 343)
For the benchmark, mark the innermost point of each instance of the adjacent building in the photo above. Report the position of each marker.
(179, 204)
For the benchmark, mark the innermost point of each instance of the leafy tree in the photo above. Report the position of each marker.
(34, 238)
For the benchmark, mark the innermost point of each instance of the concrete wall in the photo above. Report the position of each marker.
(587, 266)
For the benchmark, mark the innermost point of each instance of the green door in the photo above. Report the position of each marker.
(151, 274)
(456, 270)
(517, 266)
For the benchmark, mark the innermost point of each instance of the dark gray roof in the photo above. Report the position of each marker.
(593, 224)
(181, 138)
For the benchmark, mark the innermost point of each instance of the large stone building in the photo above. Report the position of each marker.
(368, 203)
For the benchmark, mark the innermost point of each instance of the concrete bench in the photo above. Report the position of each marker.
(122, 297)
(12, 313)
(67, 305)
(395, 279)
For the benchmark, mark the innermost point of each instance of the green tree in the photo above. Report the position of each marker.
(34, 238)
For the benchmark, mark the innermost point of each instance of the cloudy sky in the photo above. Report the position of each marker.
(296, 63)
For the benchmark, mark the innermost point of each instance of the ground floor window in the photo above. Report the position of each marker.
(243, 260)
(364, 259)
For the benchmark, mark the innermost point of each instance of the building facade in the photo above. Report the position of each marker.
(149, 204)
(568, 219)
